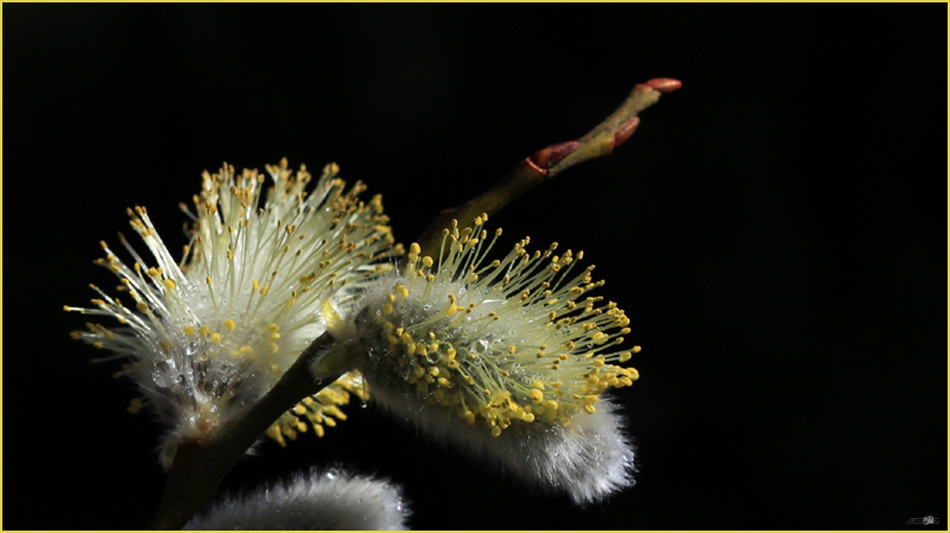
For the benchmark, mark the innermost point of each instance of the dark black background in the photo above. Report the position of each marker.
(775, 230)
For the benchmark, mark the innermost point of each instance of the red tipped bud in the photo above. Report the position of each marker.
(664, 85)
(552, 155)
(625, 131)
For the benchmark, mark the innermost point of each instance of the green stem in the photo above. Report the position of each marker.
(547, 163)
(199, 467)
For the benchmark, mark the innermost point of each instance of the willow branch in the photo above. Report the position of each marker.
(199, 467)
(553, 160)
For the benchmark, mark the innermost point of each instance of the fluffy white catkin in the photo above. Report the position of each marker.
(589, 460)
(206, 337)
(508, 358)
(315, 500)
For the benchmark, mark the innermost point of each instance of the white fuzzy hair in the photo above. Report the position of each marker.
(590, 459)
(316, 500)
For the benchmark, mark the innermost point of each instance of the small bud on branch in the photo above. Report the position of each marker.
(550, 161)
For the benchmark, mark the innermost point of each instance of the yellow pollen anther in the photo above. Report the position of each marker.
(230, 324)
(169, 283)
(135, 405)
